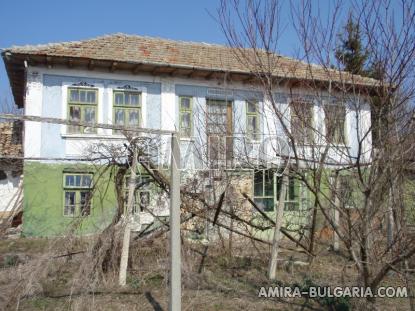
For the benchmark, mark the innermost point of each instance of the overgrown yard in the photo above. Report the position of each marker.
(217, 281)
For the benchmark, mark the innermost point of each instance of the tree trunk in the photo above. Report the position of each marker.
(272, 273)
(127, 228)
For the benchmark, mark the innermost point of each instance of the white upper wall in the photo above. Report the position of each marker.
(47, 96)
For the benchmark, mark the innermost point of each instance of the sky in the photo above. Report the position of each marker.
(35, 22)
(46, 21)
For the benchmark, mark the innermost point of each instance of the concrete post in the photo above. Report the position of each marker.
(175, 241)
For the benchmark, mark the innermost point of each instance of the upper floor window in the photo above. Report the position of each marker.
(335, 122)
(185, 116)
(77, 188)
(82, 107)
(127, 109)
(252, 120)
(301, 121)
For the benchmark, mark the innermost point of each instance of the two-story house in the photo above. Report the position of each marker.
(200, 90)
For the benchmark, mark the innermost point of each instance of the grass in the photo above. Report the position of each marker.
(225, 282)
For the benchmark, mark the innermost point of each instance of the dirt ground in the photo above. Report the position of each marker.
(220, 280)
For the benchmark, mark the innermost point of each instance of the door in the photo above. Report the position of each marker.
(219, 133)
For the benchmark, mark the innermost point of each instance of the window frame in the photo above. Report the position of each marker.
(127, 108)
(307, 136)
(252, 136)
(342, 140)
(82, 106)
(78, 209)
(183, 111)
(136, 208)
(276, 186)
(263, 196)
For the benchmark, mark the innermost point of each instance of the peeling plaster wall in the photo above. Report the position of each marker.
(8, 192)
(46, 96)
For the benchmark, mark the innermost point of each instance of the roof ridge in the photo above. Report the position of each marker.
(112, 35)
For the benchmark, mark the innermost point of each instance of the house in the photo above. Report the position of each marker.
(199, 89)
(11, 167)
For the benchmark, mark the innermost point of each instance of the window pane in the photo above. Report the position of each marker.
(69, 180)
(266, 204)
(258, 183)
(134, 100)
(252, 124)
(74, 95)
(119, 116)
(89, 114)
(82, 96)
(119, 99)
(77, 180)
(144, 199)
(335, 116)
(85, 207)
(185, 120)
(185, 103)
(127, 98)
(292, 190)
(70, 198)
(74, 113)
(133, 117)
(252, 107)
(86, 181)
(269, 183)
(91, 97)
(69, 208)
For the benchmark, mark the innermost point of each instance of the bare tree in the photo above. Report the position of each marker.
(366, 185)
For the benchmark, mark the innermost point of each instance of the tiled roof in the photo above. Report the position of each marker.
(156, 51)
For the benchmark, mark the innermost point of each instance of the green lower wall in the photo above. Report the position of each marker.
(43, 201)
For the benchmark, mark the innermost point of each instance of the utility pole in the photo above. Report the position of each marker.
(127, 228)
(336, 215)
(175, 240)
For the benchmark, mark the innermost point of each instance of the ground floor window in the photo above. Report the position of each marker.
(267, 189)
(141, 194)
(77, 189)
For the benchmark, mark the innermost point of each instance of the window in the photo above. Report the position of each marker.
(82, 107)
(265, 195)
(219, 129)
(252, 120)
(335, 120)
(345, 191)
(77, 194)
(302, 121)
(141, 194)
(292, 197)
(264, 189)
(127, 109)
(185, 116)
